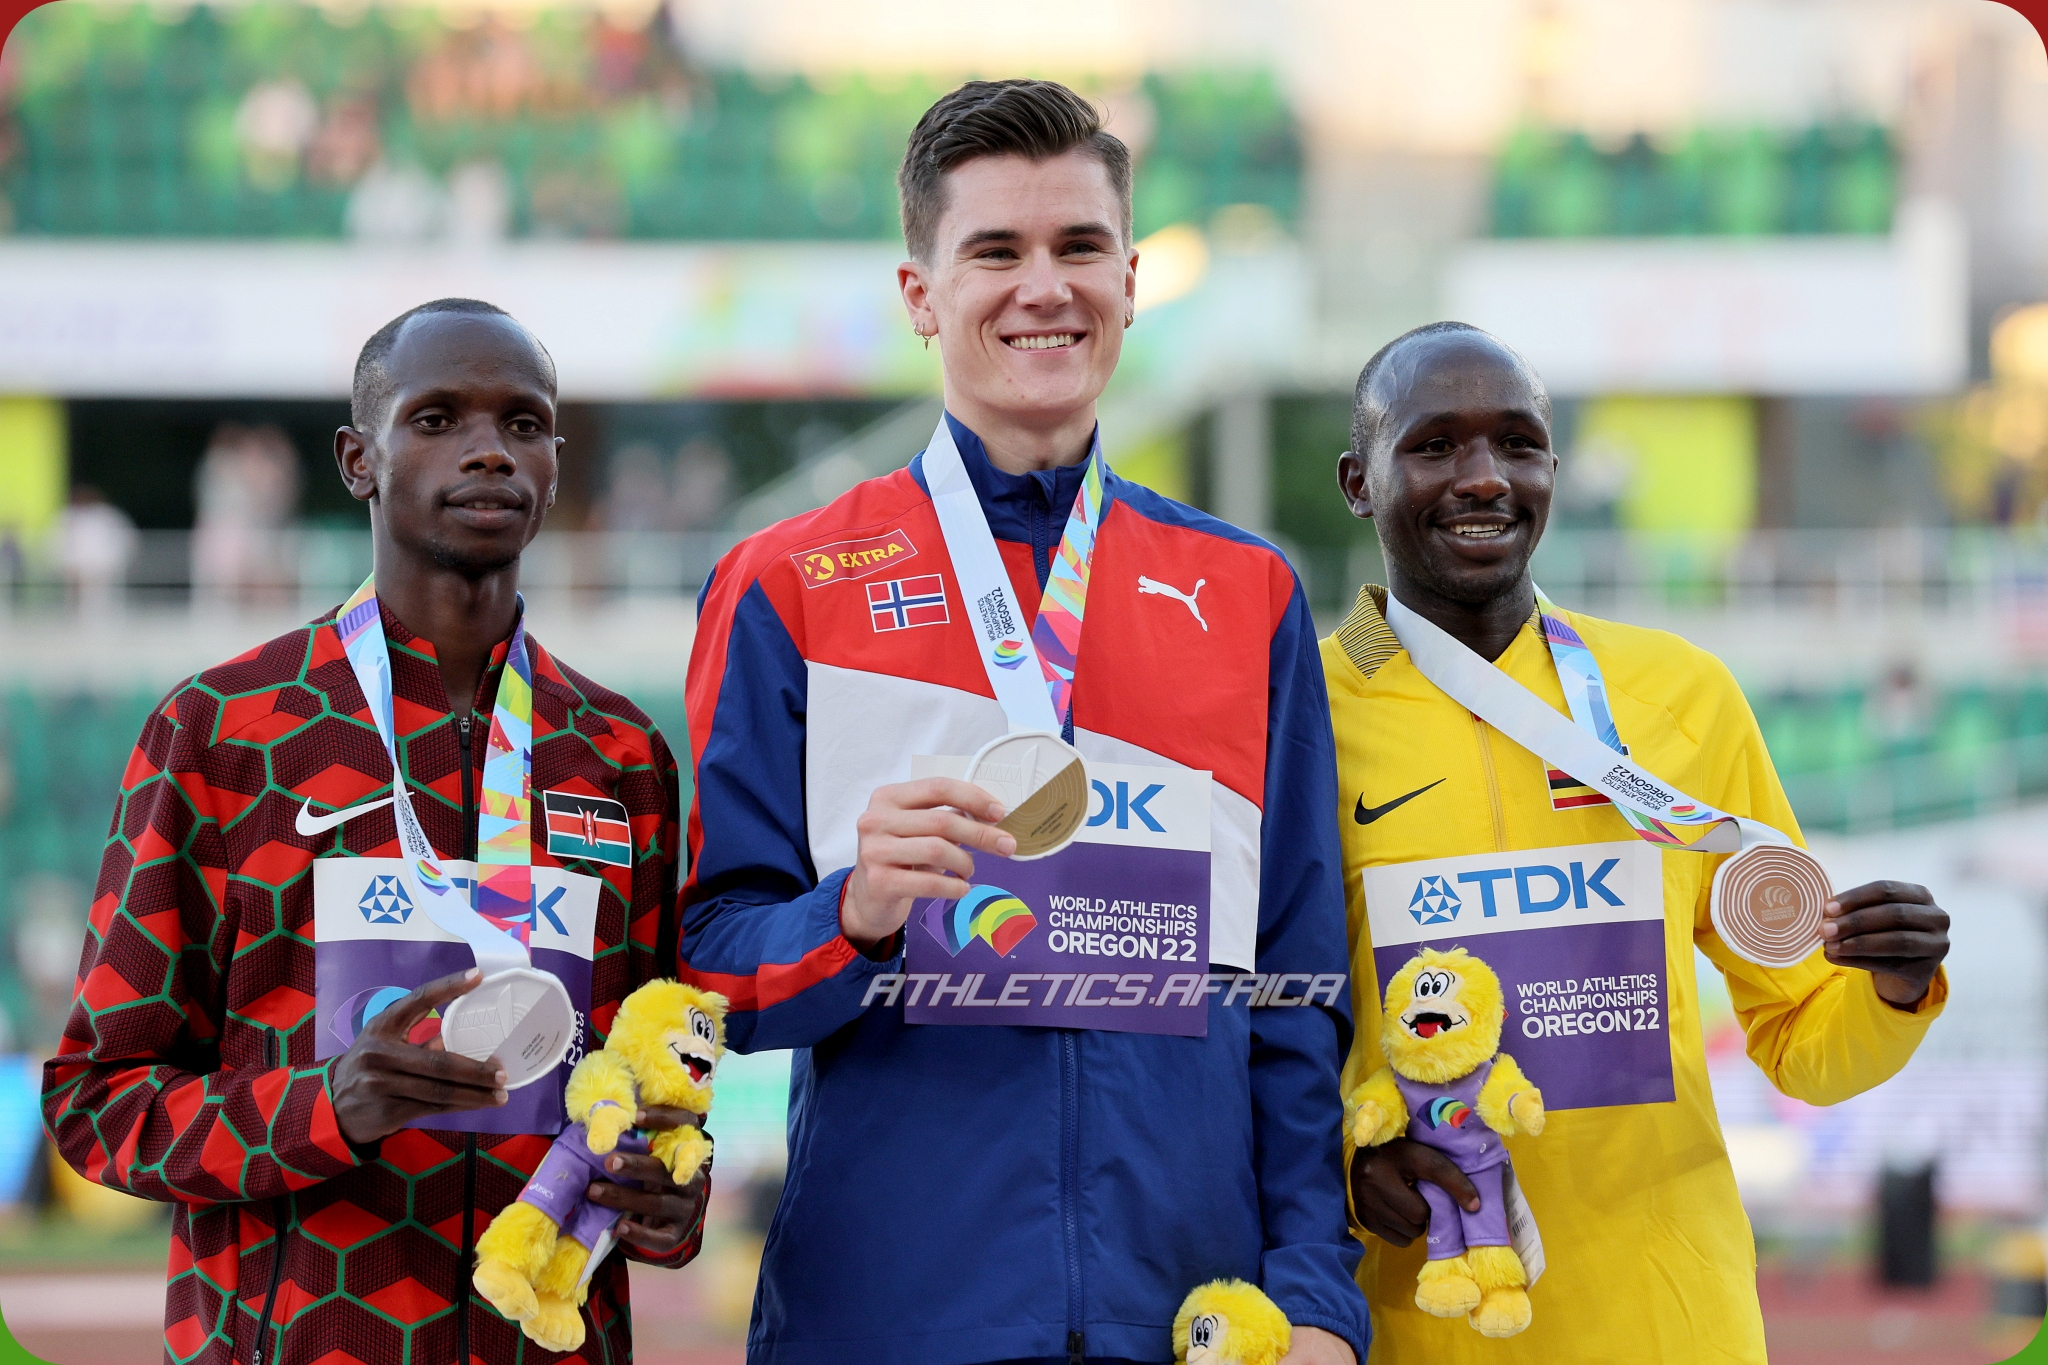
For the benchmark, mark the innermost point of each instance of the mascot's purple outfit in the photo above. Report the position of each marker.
(560, 1188)
(1473, 1148)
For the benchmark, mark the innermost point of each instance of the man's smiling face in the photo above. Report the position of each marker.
(1460, 471)
(1029, 284)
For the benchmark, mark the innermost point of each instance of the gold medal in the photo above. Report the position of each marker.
(1041, 781)
(1767, 904)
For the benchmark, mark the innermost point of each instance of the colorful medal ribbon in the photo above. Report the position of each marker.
(504, 825)
(1586, 693)
(1587, 745)
(499, 937)
(1057, 631)
(1054, 639)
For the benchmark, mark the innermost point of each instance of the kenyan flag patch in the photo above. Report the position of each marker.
(588, 827)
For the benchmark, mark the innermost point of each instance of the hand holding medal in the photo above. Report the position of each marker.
(1040, 780)
(1026, 793)
(914, 842)
(1894, 931)
(518, 1016)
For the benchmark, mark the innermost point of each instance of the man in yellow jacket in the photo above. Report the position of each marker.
(1455, 834)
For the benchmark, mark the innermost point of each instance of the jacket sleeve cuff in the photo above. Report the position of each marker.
(1347, 1332)
(690, 1246)
(1914, 1020)
(315, 1148)
(1313, 1285)
(1350, 1205)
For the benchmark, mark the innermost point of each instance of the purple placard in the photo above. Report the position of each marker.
(348, 975)
(1118, 939)
(1588, 1018)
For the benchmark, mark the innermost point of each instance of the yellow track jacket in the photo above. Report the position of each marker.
(1649, 1254)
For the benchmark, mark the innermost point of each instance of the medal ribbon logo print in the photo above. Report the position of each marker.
(1585, 691)
(1055, 637)
(500, 940)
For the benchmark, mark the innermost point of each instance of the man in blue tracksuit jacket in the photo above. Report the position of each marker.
(961, 1195)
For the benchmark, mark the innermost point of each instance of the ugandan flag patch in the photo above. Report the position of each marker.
(1568, 793)
(588, 827)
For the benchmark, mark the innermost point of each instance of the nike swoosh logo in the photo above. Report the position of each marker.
(1365, 814)
(309, 824)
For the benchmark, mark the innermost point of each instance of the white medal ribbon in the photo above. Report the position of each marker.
(1484, 690)
(450, 911)
(985, 587)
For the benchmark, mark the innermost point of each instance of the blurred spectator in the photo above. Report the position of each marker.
(276, 121)
(479, 204)
(347, 144)
(577, 203)
(636, 497)
(488, 71)
(246, 492)
(646, 493)
(703, 484)
(46, 938)
(395, 202)
(1901, 709)
(96, 543)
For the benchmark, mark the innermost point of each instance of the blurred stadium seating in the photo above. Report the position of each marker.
(1747, 182)
(283, 120)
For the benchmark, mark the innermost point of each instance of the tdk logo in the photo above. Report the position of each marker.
(1537, 888)
(1120, 805)
(1434, 902)
(385, 901)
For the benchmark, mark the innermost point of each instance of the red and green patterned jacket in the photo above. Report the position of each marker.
(187, 1071)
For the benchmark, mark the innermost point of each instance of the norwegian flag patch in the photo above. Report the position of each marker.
(588, 827)
(900, 603)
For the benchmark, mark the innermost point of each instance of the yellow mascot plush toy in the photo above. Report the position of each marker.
(1229, 1322)
(535, 1260)
(1447, 1085)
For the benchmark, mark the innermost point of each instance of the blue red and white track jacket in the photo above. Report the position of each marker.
(994, 1193)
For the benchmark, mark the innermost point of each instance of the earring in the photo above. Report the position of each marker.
(922, 335)
(1129, 318)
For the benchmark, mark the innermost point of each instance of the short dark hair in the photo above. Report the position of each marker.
(1367, 413)
(1035, 119)
(372, 389)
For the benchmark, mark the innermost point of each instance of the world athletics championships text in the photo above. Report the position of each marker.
(1107, 988)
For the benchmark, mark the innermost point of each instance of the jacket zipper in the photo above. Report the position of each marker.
(1070, 1179)
(462, 1273)
(1500, 819)
(468, 791)
(280, 1227)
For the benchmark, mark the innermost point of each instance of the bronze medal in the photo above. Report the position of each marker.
(1767, 904)
(1041, 781)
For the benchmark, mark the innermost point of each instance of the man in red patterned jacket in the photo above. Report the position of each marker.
(331, 1163)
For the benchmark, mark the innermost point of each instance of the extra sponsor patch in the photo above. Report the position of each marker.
(1568, 793)
(846, 560)
(588, 827)
(900, 603)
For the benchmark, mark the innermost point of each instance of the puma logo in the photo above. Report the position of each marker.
(1187, 599)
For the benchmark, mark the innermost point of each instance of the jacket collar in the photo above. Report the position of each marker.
(546, 673)
(1369, 642)
(1013, 503)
